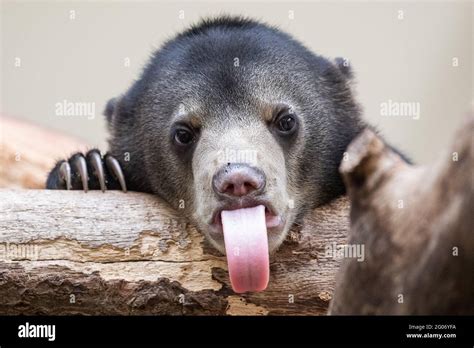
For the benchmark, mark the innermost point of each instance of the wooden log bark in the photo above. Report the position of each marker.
(28, 152)
(416, 224)
(114, 253)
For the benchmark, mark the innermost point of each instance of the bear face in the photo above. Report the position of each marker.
(236, 124)
(233, 91)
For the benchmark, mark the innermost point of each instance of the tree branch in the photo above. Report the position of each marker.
(112, 253)
(417, 227)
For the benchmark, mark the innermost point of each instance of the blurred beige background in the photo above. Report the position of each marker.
(89, 52)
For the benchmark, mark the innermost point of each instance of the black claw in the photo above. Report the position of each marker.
(88, 172)
(65, 174)
(81, 166)
(114, 166)
(96, 162)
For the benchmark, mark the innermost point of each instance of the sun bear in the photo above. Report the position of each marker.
(237, 123)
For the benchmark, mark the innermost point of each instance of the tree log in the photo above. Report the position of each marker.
(76, 253)
(118, 254)
(417, 228)
(28, 152)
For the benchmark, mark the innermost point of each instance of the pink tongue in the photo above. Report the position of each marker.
(246, 245)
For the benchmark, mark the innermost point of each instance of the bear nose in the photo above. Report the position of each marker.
(237, 180)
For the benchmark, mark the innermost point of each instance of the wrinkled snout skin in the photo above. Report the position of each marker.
(235, 91)
(254, 145)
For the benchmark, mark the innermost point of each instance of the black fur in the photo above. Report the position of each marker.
(55, 182)
(198, 64)
(141, 116)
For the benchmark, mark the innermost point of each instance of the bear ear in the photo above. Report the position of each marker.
(344, 66)
(119, 108)
(110, 109)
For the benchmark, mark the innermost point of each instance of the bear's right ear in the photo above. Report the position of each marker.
(344, 66)
(110, 109)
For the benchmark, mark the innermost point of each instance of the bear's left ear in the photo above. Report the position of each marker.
(344, 66)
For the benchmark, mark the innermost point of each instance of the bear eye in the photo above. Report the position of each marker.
(286, 123)
(183, 136)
